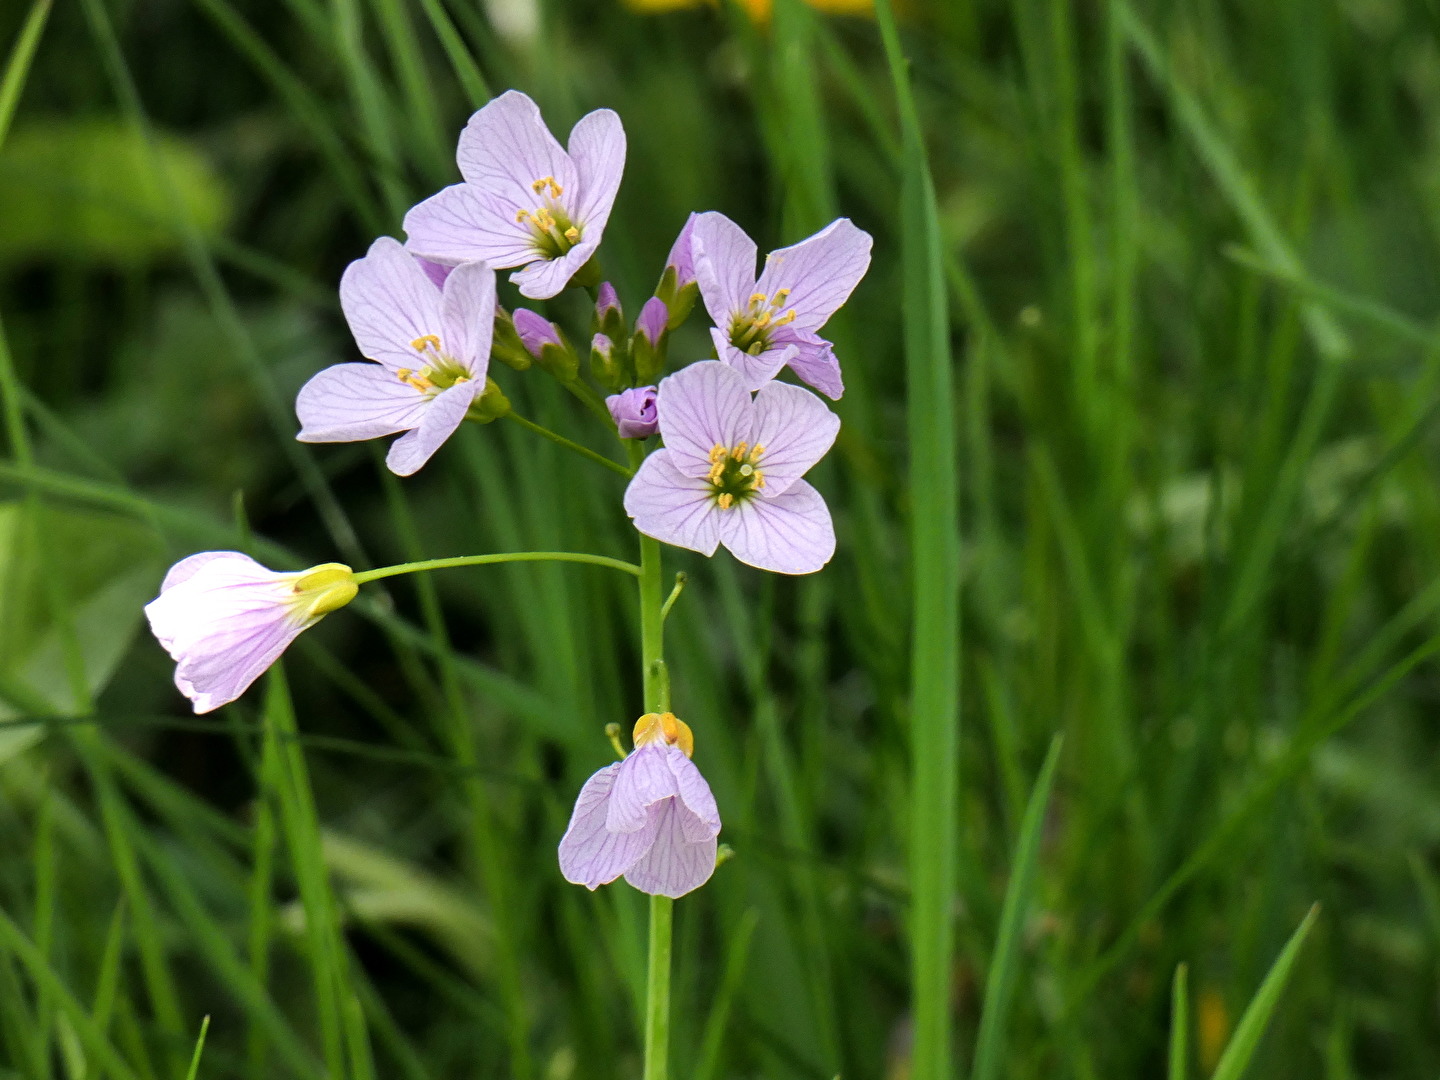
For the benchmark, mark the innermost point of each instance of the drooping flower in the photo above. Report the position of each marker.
(763, 325)
(524, 201)
(650, 817)
(730, 471)
(431, 349)
(634, 412)
(225, 619)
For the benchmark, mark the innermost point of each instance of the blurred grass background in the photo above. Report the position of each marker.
(1191, 255)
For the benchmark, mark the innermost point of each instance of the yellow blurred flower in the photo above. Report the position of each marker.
(759, 9)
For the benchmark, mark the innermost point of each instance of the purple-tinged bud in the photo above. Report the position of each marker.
(647, 348)
(652, 321)
(535, 331)
(634, 412)
(678, 288)
(605, 362)
(506, 345)
(542, 340)
(605, 299)
(609, 316)
(680, 256)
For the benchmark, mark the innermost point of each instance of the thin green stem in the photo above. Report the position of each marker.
(501, 557)
(583, 451)
(657, 699)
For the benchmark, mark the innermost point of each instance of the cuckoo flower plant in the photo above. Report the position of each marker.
(762, 324)
(524, 200)
(430, 347)
(650, 817)
(730, 471)
(225, 619)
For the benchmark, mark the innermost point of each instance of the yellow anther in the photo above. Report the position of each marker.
(419, 381)
(545, 182)
(781, 295)
(572, 234)
(717, 472)
(420, 344)
(664, 727)
(741, 449)
(522, 216)
(756, 451)
(725, 500)
(758, 480)
(717, 453)
(544, 219)
(785, 319)
(762, 320)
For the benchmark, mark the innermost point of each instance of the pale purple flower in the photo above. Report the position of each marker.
(431, 349)
(652, 320)
(634, 412)
(524, 200)
(763, 325)
(436, 272)
(730, 472)
(650, 817)
(225, 619)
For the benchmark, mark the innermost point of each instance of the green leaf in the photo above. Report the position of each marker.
(88, 190)
(1243, 1044)
(1005, 962)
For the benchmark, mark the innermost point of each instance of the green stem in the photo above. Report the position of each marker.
(591, 400)
(502, 557)
(657, 699)
(583, 451)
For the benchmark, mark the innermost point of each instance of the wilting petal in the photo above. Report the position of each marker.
(820, 272)
(468, 310)
(597, 147)
(224, 619)
(815, 363)
(700, 406)
(461, 223)
(643, 780)
(702, 818)
(795, 428)
(350, 402)
(506, 147)
(755, 369)
(724, 265)
(216, 676)
(671, 506)
(788, 534)
(187, 567)
(545, 278)
(674, 865)
(590, 854)
(442, 416)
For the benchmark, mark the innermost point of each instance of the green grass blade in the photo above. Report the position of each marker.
(17, 67)
(199, 1049)
(935, 566)
(1246, 1040)
(1005, 961)
(1180, 1025)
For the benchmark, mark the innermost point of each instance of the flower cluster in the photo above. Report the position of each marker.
(728, 469)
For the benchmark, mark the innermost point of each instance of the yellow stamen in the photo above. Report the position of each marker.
(755, 452)
(547, 182)
(784, 320)
(425, 341)
(741, 449)
(418, 380)
(572, 234)
(725, 500)
(717, 453)
(781, 295)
